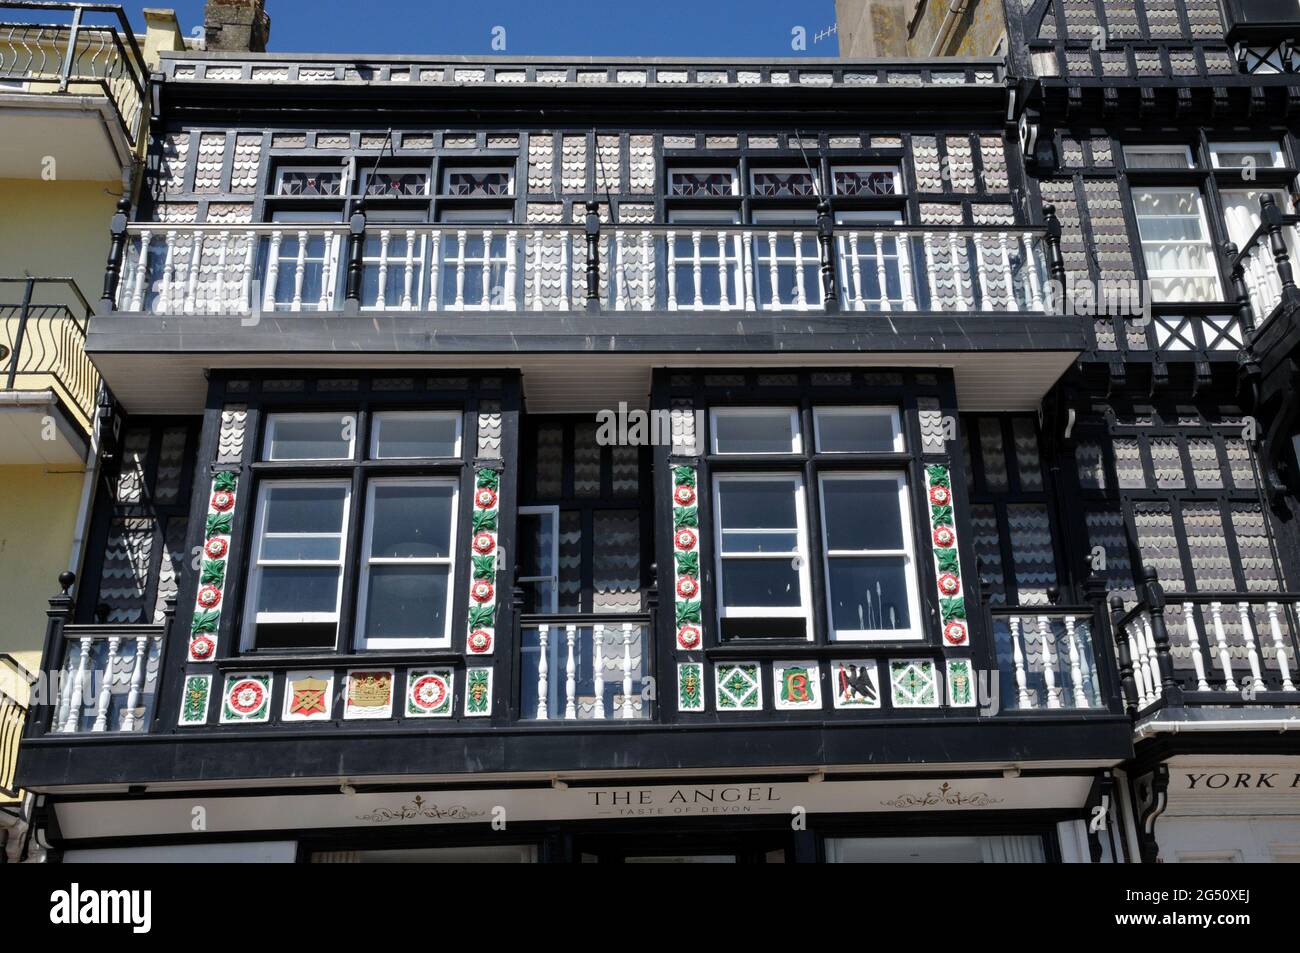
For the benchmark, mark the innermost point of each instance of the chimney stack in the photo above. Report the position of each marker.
(236, 26)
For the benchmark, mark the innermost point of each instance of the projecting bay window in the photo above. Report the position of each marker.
(398, 529)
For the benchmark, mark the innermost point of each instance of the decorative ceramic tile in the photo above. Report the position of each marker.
(308, 696)
(478, 692)
(855, 683)
(368, 693)
(961, 683)
(947, 563)
(246, 699)
(687, 588)
(194, 700)
(212, 568)
(796, 685)
(480, 636)
(690, 686)
(429, 693)
(912, 683)
(739, 686)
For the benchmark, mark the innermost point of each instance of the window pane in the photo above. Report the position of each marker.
(753, 432)
(760, 582)
(1171, 157)
(412, 522)
(856, 431)
(868, 593)
(407, 602)
(304, 509)
(862, 514)
(298, 589)
(301, 548)
(302, 437)
(757, 505)
(416, 435)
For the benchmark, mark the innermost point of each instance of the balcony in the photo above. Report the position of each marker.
(1047, 660)
(74, 89)
(585, 667)
(1225, 652)
(15, 683)
(48, 387)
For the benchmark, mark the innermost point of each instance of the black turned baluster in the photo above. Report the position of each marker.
(1055, 260)
(825, 242)
(1155, 598)
(1271, 216)
(116, 249)
(1126, 680)
(592, 222)
(356, 252)
(1240, 293)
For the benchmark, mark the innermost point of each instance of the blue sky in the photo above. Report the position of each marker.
(541, 27)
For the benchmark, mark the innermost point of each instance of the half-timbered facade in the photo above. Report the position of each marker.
(543, 459)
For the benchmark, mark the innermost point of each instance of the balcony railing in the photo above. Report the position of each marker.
(75, 56)
(108, 680)
(1208, 648)
(15, 682)
(1263, 270)
(43, 345)
(590, 667)
(1046, 658)
(224, 270)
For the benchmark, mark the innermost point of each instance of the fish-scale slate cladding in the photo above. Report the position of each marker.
(586, 460)
(174, 154)
(1159, 544)
(573, 163)
(616, 558)
(1108, 537)
(988, 550)
(170, 565)
(1203, 530)
(549, 465)
(682, 421)
(993, 157)
(1028, 462)
(171, 462)
(246, 163)
(541, 163)
(230, 439)
(1166, 463)
(211, 160)
(609, 167)
(489, 430)
(130, 478)
(1091, 465)
(570, 561)
(961, 163)
(229, 213)
(125, 572)
(925, 157)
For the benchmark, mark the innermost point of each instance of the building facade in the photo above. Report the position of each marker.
(837, 460)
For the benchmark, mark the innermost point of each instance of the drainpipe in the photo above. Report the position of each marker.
(955, 10)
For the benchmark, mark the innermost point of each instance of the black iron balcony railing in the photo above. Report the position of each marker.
(1207, 648)
(155, 268)
(75, 56)
(42, 345)
(15, 681)
(1263, 269)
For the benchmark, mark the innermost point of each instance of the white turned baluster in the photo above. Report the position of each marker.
(1007, 277)
(566, 278)
(137, 683)
(773, 272)
(435, 269)
(929, 247)
(192, 282)
(141, 273)
(1141, 667)
(299, 272)
(329, 248)
(168, 274)
(881, 274)
(1248, 640)
(959, 272)
(855, 270)
(749, 270)
(598, 668)
(800, 292)
(1153, 664)
(1031, 273)
(106, 686)
(512, 238)
(1221, 639)
(570, 675)
(408, 271)
(647, 272)
(1076, 664)
(671, 246)
(487, 269)
(246, 283)
(543, 670)
(461, 238)
(1194, 641)
(628, 711)
(903, 245)
(1049, 671)
(724, 293)
(1018, 658)
(619, 285)
(62, 703)
(381, 296)
(534, 280)
(697, 268)
(78, 688)
(981, 275)
(1279, 647)
(222, 249)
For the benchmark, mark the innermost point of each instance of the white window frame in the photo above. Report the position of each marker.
(915, 631)
(345, 184)
(1159, 149)
(796, 434)
(1208, 242)
(365, 643)
(252, 618)
(1273, 148)
(804, 609)
(368, 174)
(893, 170)
(553, 512)
(379, 416)
(859, 410)
(785, 170)
(451, 170)
(341, 417)
(701, 170)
